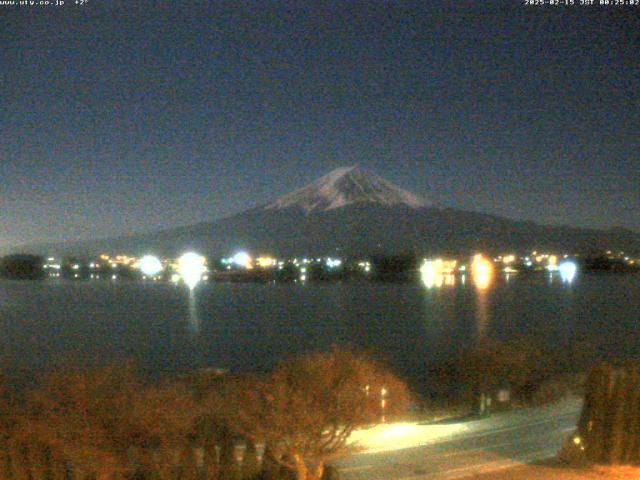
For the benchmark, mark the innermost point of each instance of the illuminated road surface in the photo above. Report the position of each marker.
(414, 451)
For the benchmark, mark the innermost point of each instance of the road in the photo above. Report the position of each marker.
(459, 449)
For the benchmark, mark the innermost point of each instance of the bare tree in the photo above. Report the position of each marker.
(106, 424)
(307, 408)
(85, 418)
(167, 416)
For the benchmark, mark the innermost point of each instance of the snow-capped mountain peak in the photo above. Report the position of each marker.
(345, 186)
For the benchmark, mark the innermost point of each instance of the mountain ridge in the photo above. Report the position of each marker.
(353, 212)
(346, 186)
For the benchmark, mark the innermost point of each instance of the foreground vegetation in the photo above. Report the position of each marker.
(109, 424)
(532, 373)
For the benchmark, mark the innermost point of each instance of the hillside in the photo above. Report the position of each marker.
(350, 211)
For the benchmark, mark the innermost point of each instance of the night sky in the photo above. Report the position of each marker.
(119, 117)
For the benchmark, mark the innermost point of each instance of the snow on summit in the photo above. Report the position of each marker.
(346, 186)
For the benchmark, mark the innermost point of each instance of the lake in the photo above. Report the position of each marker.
(251, 326)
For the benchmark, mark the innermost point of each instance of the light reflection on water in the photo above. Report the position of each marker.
(194, 320)
(437, 280)
(482, 313)
(245, 326)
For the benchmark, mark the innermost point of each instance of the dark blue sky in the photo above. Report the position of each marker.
(119, 119)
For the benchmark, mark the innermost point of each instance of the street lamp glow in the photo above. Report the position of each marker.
(482, 270)
(431, 274)
(191, 266)
(568, 271)
(509, 259)
(437, 272)
(333, 262)
(266, 262)
(242, 259)
(150, 265)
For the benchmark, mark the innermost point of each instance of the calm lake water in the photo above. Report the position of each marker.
(252, 326)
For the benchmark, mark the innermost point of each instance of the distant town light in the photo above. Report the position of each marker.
(150, 265)
(333, 262)
(509, 259)
(266, 262)
(191, 267)
(430, 274)
(438, 272)
(482, 271)
(242, 259)
(568, 271)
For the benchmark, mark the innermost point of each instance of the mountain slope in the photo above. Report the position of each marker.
(347, 186)
(350, 211)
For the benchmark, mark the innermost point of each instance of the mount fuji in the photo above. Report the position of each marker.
(351, 211)
(347, 186)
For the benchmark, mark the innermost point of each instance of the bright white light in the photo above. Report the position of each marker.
(482, 270)
(150, 265)
(242, 259)
(191, 267)
(266, 262)
(431, 274)
(568, 271)
(509, 259)
(333, 262)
